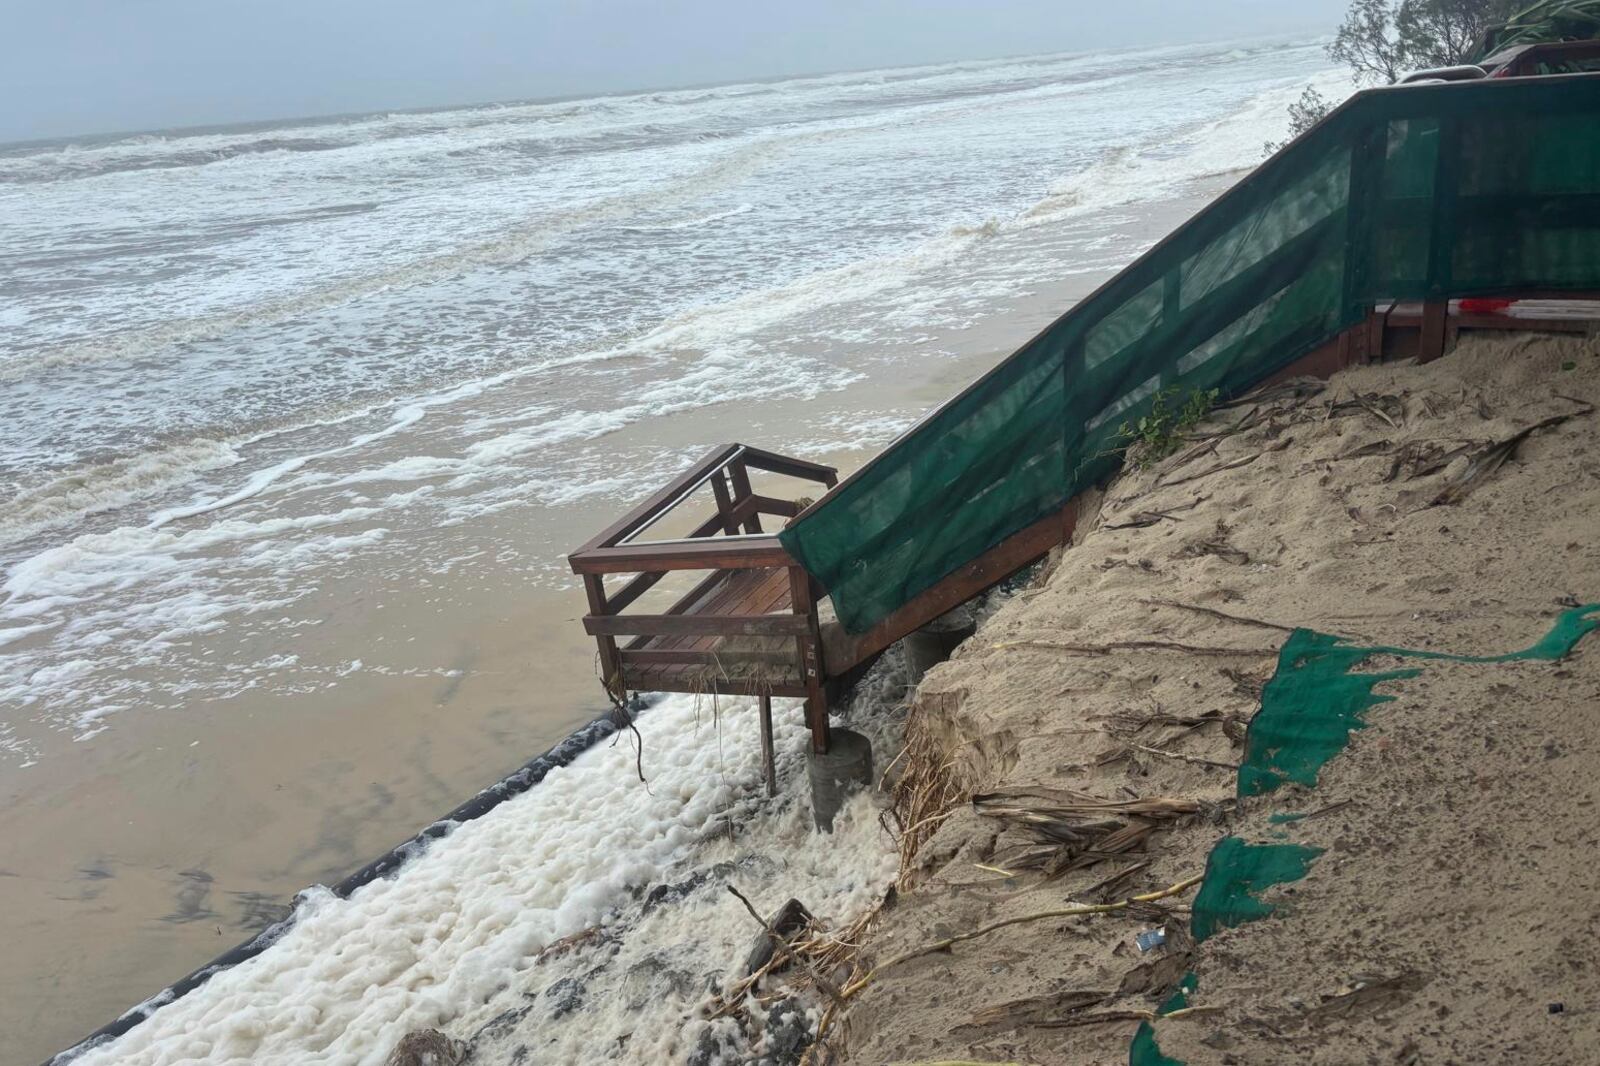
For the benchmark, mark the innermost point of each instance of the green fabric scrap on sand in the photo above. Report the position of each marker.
(1308, 711)
(1236, 875)
(1144, 1051)
(1315, 700)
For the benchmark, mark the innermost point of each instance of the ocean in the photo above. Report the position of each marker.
(301, 417)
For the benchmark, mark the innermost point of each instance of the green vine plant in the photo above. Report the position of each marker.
(1159, 432)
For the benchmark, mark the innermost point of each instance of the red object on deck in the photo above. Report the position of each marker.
(1484, 305)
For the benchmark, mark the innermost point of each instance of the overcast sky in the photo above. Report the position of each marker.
(80, 66)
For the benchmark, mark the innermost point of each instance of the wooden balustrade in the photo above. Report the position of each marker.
(749, 626)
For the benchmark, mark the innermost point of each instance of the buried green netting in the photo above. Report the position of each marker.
(1309, 708)
(1315, 699)
(1143, 1051)
(1409, 192)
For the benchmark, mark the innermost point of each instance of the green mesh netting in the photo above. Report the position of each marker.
(1144, 1050)
(1470, 188)
(1236, 875)
(1308, 710)
(1315, 699)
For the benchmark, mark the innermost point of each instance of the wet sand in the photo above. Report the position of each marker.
(130, 859)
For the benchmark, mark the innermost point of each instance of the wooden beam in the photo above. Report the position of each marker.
(769, 769)
(610, 663)
(806, 647)
(680, 657)
(983, 572)
(774, 463)
(754, 505)
(658, 502)
(743, 497)
(1431, 345)
(711, 553)
(696, 625)
(719, 489)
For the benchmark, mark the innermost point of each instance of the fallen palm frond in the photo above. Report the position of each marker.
(1130, 723)
(1105, 884)
(1075, 829)
(956, 1062)
(1491, 456)
(1141, 519)
(924, 794)
(1058, 1010)
(1232, 464)
(1131, 645)
(1181, 757)
(1036, 1010)
(1419, 458)
(1214, 546)
(1128, 1015)
(856, 985)
(1212, 612)
(1388, 409)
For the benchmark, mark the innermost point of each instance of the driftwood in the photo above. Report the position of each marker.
(782, 947)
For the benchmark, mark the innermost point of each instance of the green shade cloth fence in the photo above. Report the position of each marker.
(1407, 192)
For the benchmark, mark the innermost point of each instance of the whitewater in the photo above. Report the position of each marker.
(300, 420)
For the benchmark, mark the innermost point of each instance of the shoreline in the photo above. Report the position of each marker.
(378, 736)
(390, 862)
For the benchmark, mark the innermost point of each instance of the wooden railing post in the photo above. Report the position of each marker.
(1441, 240)
(594, 586)
(1431, 344)
(719, 488)
(810, 666)
(740, 476)
(769, 769)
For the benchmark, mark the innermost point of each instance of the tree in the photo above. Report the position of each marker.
(1383, 40)
(1303, 114)
(1368, 44)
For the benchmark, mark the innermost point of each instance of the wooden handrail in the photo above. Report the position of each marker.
(774, 463)
(663, 500)
(696, 625)
(743, 552)
(733, 508)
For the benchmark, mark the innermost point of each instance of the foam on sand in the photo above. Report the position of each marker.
(452, 941)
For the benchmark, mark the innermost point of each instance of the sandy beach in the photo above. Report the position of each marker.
(243, 659)
(236, 805)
